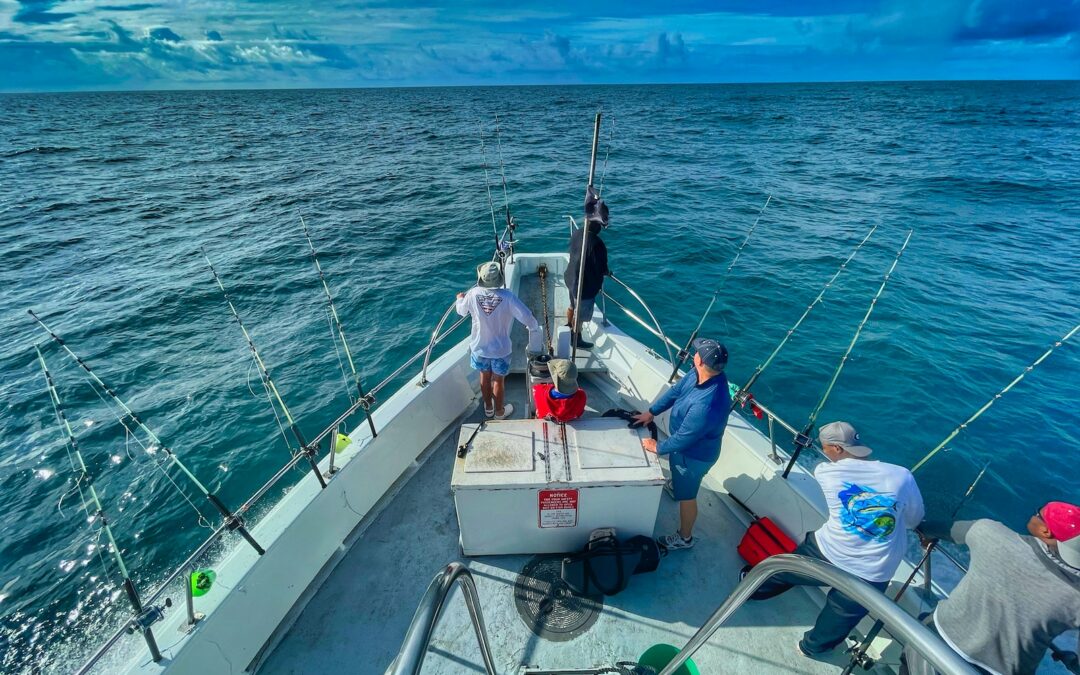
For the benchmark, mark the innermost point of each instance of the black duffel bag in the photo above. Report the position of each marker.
(606, 564)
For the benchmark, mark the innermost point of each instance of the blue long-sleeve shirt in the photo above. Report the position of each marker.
(699, 414)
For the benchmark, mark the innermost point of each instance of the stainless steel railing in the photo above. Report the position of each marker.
(659, 332)
(899, 623)
(435, 339)
(413, 650)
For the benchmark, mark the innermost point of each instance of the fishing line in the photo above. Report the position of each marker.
(743, 394)
(803, 439)
(99, 510)
(333, 314)
(607, 153)
(684, 353)
(267, 380)
(231, 520)
(341, 364)
(502, 173)
(978, 413)
(487, 186)
(273, 408)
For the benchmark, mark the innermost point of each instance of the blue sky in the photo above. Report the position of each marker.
(166, 44)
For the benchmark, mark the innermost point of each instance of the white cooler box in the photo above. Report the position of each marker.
(520, 490)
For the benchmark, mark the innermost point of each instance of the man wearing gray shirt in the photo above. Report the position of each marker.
(1019, 592)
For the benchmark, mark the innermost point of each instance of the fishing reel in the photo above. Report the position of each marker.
(858, 656)
(148, 618)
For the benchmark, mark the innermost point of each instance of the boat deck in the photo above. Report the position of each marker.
(357, 619)
(558, 300)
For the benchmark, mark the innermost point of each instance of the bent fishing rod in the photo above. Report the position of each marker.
(744, 395)
(232, 521)
(858, 652)
(978, 413)
(365, 400)
(83, 476)
(307, 450)
(803, 440)
(684, 353)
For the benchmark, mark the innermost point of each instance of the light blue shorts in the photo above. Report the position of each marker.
(686, 475)
(485, 365)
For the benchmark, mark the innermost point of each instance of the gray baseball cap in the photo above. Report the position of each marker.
(844, 435)
(489, 275)
(564, 375)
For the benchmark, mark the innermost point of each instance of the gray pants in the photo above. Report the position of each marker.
(587, 307)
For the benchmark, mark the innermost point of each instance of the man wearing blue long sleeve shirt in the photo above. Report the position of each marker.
(700, 404)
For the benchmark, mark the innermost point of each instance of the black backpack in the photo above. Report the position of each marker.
(606, 564)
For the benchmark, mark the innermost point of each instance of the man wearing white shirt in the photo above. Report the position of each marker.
(493, 310)
(872, 505)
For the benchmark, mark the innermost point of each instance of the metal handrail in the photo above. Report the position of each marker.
(415, 646)
(899, 623)
(431, 342)
(663, 336)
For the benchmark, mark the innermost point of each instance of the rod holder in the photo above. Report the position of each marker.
(193, 617)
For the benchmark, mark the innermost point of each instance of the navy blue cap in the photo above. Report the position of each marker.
(712, 353)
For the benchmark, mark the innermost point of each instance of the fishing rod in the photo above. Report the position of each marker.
(341, 333)
(858, 652)
(510, 224)
(232, 521)
(684, 353)
(85, 477)
(575, 329)
(743, 394)
(487, 186)
(803, 439)
(978, 413)
(308, 451)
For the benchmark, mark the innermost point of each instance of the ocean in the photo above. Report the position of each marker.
(106, 198)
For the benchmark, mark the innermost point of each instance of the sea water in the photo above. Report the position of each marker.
(106, 198)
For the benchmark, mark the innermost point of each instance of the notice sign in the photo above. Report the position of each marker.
(558, 508)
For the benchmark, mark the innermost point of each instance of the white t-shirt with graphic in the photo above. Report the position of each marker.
(493, 312)
(871, 506)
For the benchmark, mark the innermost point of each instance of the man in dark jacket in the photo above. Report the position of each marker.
(596, 265)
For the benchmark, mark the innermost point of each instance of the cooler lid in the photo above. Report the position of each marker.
(500, 448)
(608, 443)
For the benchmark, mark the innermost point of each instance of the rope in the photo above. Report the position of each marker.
(978, 413)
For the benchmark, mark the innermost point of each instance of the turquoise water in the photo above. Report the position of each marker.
(105, 199)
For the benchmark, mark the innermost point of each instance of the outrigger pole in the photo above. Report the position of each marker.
(85, 477)
(365, 400)
(575, 328)
(744, 393)
(803, 439)
(232, 521)
(510, 224)
(684, 353)
(307, 450)
(978, 413)
(858, 652)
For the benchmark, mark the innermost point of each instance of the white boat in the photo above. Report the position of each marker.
(357, 575)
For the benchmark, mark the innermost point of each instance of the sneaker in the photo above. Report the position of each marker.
(489, 412)
(508, 410)
(675, 542)
(669, 489)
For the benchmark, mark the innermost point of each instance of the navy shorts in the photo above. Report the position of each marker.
(686, 475)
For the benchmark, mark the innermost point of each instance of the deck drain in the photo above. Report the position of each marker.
(547, 605)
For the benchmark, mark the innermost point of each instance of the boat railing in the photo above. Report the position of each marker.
(901, 625)
(655, 328)
(435, 339)
(413, 650)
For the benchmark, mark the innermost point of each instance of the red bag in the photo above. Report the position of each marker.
(763, 539)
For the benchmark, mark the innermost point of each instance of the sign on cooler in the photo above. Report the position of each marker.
(558, 508)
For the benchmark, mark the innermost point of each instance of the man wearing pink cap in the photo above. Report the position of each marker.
(1018, 595)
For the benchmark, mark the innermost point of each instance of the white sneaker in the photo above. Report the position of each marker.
(489, 412)
(508, 410)
(674, 542)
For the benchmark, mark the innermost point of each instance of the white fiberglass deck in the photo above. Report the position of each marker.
(357, 619)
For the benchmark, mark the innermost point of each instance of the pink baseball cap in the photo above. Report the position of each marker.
(1063, 521)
